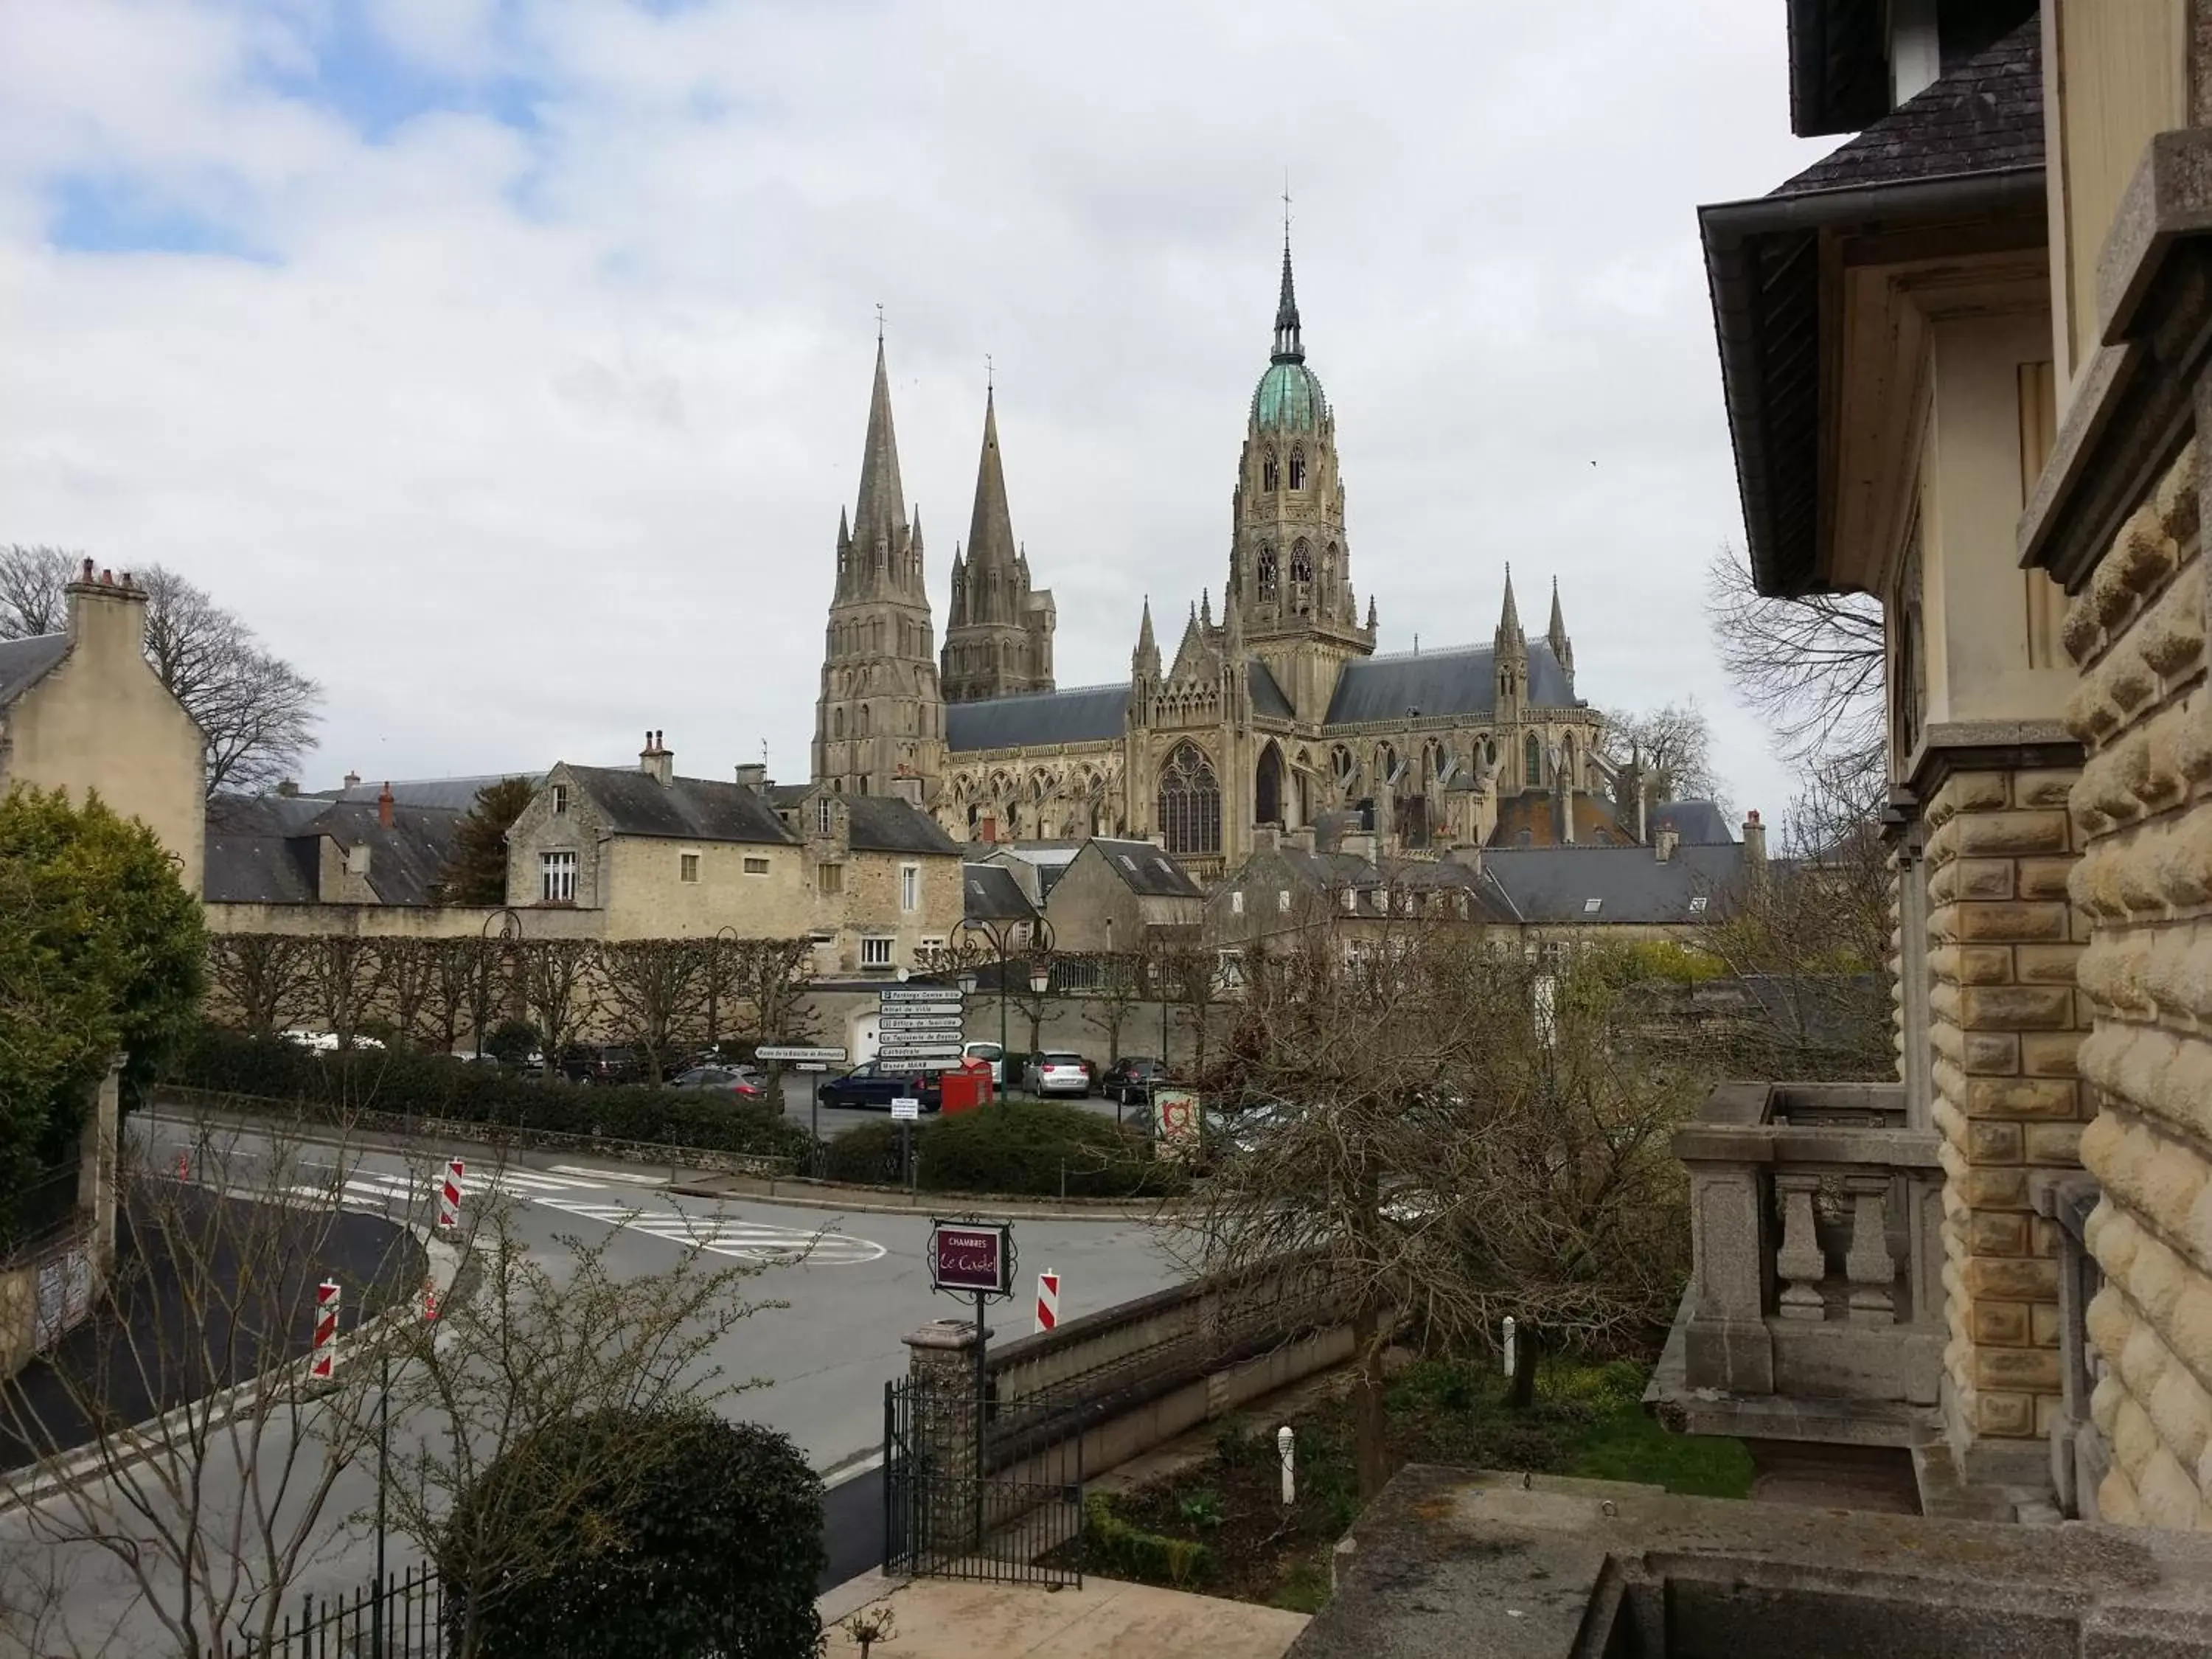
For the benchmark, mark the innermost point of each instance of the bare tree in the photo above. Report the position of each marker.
(541, 1344)
(1117, 990)
(1812, 667)
(1672, 744)
(655, 993)
(31, 583)
(344, 980)
(211, 1510)
(1456, 1137)
(560, 988)
(258, 711)
(263, 978)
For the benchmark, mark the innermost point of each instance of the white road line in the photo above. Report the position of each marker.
(612, 1175)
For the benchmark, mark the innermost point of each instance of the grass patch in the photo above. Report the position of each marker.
(1227, 1513)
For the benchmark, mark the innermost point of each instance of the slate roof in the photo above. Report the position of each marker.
(1267, 696)
(265, 849)
(1146, 870)
(1082, 713)
(683, 809)
(1699, 823)
(24, 663)
(1460, 681)
(1984, 116)
(990, 893)
(1553, 884)
(884, 823)
(452, 794)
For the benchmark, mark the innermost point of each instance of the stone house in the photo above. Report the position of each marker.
(82, 711)
(286, 851)
(1116, 896)
(1964, 357)
(653, 856)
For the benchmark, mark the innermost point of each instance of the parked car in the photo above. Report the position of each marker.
(995, 1054)
(740, 1081)
(1057, 1074)
(608, 1063)
(1130, 1079)
(872, 1084)
(326, 1042)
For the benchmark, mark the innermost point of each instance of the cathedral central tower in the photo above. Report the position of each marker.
(1289, 566)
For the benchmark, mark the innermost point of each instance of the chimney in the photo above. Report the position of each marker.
(1300, 839)
(1665, 843)
(107, 617)
(753, 775)
(656, 760)
(1358, 843)
(1754, 837)
(384, 805)
(353, 779)
(1467, 856)
(1563, 806)
(1265, 837)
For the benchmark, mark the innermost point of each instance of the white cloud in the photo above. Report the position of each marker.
(525, 440)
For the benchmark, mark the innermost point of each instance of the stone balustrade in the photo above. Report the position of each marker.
(2081, 1456)
(1815, 1305)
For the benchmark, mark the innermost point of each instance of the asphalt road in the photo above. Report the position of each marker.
(822, 1359)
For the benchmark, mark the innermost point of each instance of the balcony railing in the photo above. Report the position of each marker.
(1815, 1305)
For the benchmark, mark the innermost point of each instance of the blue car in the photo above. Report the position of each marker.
(872, 1083)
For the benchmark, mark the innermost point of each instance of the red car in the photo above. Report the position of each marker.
(735, 1080)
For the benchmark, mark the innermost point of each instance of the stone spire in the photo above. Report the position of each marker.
(1509, 619)
(879, 519)
(1370, 613)
(1144, 660)
(991, 530)
(1562, 647)
(1509, 659)
(1289, 348)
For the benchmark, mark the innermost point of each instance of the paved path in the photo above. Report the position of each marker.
(823, 1358)
(946, 1619)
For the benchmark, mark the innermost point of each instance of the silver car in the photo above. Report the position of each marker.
(1057, 1074)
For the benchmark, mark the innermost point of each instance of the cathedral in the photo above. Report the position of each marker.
(1279, 712)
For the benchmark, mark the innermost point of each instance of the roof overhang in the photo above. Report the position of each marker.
(1774, 265)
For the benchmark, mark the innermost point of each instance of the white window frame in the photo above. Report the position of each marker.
(560, 799)
(687, 868)
(557, 878)
(825, 821)
(1698, 904)
(877, 950)
(1283, 900)
(756, 863)
(1592, 906)
(909, 888)
(1352, 900)
(1237, 901)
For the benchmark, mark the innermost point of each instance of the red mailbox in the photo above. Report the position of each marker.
(968, 1088)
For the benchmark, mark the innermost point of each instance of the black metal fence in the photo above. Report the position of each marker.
(994, 1494)
(406, 1621)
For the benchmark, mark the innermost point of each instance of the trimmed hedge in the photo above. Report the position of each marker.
(1130, 1552)
(437, 1086)
(1016, 1148)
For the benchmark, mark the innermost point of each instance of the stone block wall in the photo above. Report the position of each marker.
(2144, 805)
(2002, 1029)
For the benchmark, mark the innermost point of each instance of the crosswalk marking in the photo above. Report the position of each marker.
(379, 1192)
(628, 1177)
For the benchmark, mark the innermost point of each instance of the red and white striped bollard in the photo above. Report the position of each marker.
(449, 1196)
(326, 1331)
(1047, 1302)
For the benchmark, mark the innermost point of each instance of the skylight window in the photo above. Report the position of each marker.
(1698, 905)
(1590, 906)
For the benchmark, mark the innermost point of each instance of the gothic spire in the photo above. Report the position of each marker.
(1145, 658)
(1562, 647)
(991, 530)
(1288, 348)
(881, 513)
(1509, 619)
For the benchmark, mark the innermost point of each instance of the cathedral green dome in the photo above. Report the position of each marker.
(1289, 398)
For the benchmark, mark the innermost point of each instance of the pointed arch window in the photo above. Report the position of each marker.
(1271, 577)
(1189, 802)
(865, 722)
(1301, 577)
(837, 723)
(1270, 472)
(1297, 469)
(1532, 757)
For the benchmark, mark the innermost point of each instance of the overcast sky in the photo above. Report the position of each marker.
(505, 362)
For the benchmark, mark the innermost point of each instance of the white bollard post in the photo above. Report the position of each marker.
(1285, 1440)
(1508, 1345)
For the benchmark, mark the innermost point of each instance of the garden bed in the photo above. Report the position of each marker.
(1221, 1526)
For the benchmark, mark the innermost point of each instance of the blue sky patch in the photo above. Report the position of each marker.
(112, 215)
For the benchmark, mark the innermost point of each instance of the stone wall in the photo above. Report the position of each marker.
(2135, 631)
(2002, 1030)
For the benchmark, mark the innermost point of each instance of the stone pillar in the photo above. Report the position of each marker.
(2135, 629)
(2002, 1032)
(95, 1178)
(942, 1425)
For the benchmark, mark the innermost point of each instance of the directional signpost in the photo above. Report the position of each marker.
(919, 1027)
(807, 1060)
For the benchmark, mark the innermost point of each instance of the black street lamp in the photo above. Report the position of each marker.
(1000, 933)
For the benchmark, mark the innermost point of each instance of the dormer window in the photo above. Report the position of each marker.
(1297, 469)
(822, 819)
